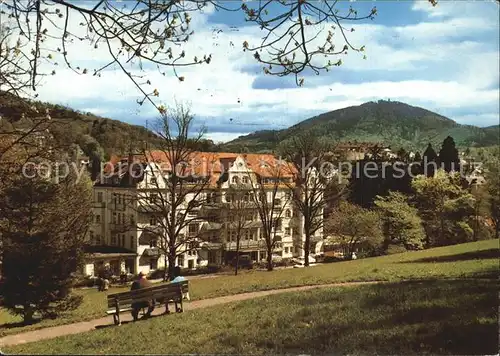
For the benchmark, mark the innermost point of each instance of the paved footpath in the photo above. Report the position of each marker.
(84, 326)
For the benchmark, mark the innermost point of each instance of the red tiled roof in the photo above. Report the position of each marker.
(214, 163)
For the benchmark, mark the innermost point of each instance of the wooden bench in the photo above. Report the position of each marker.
(164, 293)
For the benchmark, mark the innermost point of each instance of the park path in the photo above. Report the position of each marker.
(84, 326)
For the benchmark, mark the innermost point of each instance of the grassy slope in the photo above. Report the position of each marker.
(459, 261)
(440, 317)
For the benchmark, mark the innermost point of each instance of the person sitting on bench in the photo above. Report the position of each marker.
(141, 283)
(177, 279)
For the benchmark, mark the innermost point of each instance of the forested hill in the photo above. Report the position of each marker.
(95, 135)
(392, 123)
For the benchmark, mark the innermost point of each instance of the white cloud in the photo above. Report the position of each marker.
(223, 90)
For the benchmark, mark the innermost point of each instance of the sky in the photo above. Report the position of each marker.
(443, 58)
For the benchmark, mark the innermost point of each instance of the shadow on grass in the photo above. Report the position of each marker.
(418, 317)
(19, 324)
(474, 255)
(104, 326)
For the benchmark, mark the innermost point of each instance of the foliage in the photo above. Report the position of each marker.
(493, 188)
(394, 123)
(448, 155)
(401, 223)
(445, 208)
(352, 226)
(43, 226)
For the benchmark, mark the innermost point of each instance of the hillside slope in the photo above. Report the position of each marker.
(394, 123)
(95, 135)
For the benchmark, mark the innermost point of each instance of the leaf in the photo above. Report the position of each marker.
(181, 79)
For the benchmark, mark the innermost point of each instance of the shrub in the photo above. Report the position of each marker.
(393, 249)
(213, 268)
(331, 259)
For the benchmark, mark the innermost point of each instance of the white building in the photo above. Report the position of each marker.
(126, 222)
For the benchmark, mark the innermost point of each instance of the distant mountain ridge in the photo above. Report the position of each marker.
(389, 122)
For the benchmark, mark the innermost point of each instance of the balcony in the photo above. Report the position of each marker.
(211, 245)
(246, 245)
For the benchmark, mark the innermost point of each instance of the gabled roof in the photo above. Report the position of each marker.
(204, 164)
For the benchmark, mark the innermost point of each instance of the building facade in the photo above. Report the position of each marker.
(128, 229)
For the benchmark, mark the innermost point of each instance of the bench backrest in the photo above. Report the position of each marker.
(163, 291)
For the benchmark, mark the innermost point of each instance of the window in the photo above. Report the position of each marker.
(153, 197)
(113, 239)
(249, 217)
(132, 245)
(119, 198)
(132, 220)
(98, 219)
(193, 229)
(114, 218)
(287, 231)
(228, 198)
(245, 180)
(277, 202)
(152, 221)
(119, 218)
(153, 181)
(288, 213)
(235, 180)
(180, 260)
(91, 236)
(288, 196)
(99, 197)
(212, 257)
(98, 239)
(123, 240)
(286, 249)
(153, 243)
(153, 264)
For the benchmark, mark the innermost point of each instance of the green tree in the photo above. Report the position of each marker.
(43, 226)
(448, 155)
(353, 226)
(400, 221)
(430, 158)
(493, 188)
(445, 208)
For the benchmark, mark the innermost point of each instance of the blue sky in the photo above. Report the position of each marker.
(443, 58)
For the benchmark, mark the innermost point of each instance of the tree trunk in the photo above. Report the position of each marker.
(307, 245)
(269, 249)
(171, 264)
(28, 314)
(165, 263)
(237, 256)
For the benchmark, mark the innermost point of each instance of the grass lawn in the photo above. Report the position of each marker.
(477, 259)
(417, 317)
